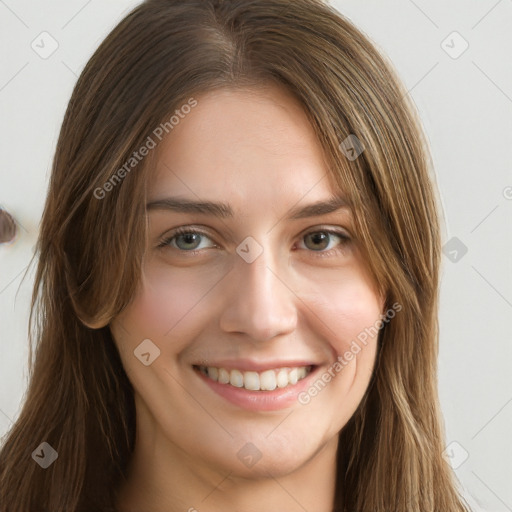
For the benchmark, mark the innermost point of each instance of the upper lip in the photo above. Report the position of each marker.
(256, 366)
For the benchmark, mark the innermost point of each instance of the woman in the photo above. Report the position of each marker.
(254, 370)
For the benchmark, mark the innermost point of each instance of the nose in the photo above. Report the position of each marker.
(260, 303)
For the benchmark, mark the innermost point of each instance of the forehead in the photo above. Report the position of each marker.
(243, 144)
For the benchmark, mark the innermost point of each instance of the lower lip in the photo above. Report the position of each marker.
(279, 398)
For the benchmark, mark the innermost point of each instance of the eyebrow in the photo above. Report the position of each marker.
(224, 210)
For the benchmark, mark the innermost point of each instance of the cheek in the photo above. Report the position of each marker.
(165, 300)
(348, 310)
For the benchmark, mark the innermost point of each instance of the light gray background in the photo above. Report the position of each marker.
(466, 106)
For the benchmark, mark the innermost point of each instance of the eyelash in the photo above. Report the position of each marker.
(166, 241)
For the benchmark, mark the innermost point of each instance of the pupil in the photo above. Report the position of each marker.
(317, 236)
(189, 238)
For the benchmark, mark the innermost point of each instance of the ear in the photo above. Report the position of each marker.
(90, 321)
(97, 323)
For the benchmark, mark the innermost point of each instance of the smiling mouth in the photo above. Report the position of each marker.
(267, 380)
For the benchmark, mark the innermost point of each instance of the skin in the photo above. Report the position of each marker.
(256, 150)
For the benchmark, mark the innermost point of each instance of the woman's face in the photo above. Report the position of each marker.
(270, 293)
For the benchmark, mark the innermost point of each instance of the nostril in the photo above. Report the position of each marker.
(7, 227)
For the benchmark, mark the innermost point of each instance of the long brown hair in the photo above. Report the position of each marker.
(79, 399)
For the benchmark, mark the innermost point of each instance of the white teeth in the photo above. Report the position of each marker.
(236, 379)
(213, 373)
(267, 380)
(223, 376)
(282, 379)
(251, 381)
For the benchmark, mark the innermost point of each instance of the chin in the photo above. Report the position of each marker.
(267, 454)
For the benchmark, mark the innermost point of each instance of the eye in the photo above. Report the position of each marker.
(188, 240)
(320, 240)
(185, 239)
